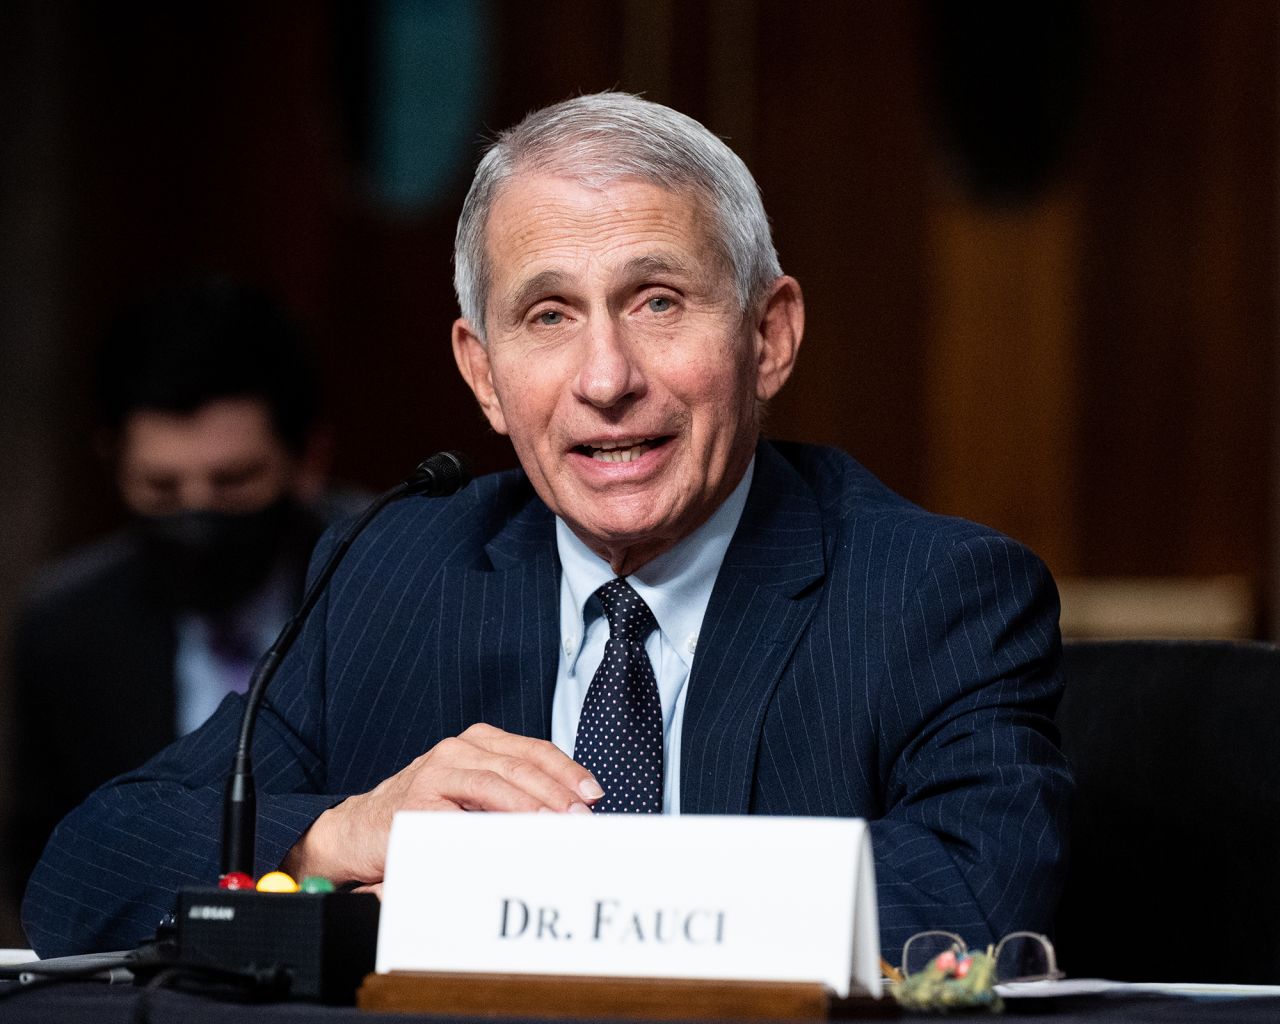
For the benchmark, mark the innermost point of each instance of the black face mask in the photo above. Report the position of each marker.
(211, 561)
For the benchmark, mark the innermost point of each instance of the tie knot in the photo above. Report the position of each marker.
(629, 617)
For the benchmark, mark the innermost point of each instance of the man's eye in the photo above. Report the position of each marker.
(550, 317)
(659, 304)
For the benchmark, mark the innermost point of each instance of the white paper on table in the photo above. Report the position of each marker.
(1100, 986)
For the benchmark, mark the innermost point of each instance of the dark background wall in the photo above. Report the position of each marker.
(1038, 246)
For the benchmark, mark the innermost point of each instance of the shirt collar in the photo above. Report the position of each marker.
(676, 585)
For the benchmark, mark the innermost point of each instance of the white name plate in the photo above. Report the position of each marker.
(683, 896)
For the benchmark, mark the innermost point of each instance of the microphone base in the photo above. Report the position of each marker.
(326, 941)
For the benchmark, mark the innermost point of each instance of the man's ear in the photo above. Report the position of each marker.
(778, 334)
(472, 357)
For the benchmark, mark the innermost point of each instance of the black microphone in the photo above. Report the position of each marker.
(439, 475)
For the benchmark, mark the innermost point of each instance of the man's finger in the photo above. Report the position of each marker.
(549, 758)
(485, 790)
(424, 777)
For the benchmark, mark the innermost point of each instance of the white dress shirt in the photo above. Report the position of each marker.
(677, 587)
(217, 656)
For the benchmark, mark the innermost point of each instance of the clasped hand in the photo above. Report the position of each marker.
(483, 769)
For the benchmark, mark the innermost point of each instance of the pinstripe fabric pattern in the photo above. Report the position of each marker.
(859, 656)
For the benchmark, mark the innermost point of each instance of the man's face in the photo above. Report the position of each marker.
(224, 457)
(617, 360)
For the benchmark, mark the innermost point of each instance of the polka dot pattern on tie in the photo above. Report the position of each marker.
(620, 730)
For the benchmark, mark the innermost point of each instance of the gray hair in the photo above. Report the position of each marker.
(599, 139)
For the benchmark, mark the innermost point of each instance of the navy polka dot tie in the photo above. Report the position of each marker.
(620, 730)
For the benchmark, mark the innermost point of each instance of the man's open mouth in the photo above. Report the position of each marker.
(621, 451)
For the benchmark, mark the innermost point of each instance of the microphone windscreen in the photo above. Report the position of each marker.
(440, 475)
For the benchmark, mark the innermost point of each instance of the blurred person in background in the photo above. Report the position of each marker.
(206, 400)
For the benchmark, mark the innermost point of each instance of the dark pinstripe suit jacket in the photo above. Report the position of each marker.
(859, 657)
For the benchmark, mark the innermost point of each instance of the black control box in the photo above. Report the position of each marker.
(327, 942)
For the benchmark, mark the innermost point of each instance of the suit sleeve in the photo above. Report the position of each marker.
(113, 866)
(976, 789)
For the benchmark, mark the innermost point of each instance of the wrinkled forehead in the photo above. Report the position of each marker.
(521, 199)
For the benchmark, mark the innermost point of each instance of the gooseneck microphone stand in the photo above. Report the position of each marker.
(437, 476)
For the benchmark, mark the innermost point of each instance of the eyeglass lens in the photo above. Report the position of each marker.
(1024, 956)
(921, 949)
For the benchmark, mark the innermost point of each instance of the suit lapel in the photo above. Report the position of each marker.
(506, 619)
(762, 601)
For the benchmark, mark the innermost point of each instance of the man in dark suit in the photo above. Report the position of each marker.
(750, 627)
(206, 406)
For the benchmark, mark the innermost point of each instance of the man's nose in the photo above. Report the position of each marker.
(610, 371)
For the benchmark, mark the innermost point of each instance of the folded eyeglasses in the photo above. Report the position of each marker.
(940, 972)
